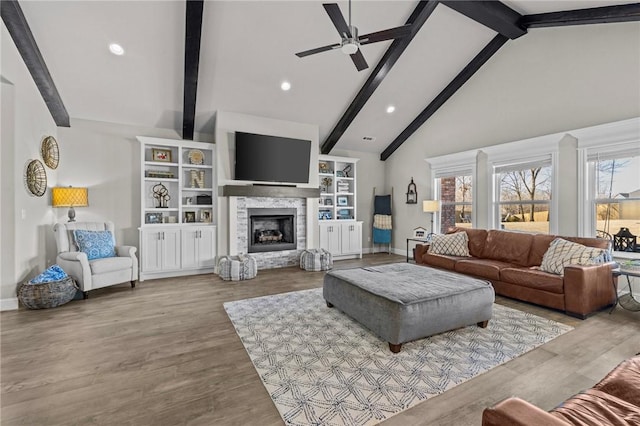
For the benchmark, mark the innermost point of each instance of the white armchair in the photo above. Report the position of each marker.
(97, 273)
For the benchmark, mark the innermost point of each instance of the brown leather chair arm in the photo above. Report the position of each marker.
(518, 412)
(419, 251)
(588, 288)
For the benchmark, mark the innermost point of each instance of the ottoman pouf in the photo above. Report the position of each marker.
(402, 302)
(237, 268)
(316, 260)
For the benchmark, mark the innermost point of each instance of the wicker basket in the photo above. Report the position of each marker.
(47, 295)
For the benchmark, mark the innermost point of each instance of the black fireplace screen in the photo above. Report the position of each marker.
(271, 230)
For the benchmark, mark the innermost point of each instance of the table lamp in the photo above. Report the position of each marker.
(70, 197)
(431, 206)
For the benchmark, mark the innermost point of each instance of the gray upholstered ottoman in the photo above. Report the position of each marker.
(403, 302)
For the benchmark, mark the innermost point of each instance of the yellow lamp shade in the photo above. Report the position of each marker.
(69, 197)
(431, 206)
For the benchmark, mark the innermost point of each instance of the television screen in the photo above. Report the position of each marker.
(272, 158)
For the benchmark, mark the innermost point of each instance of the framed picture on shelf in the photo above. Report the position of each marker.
(328, 202)
(205, 216)
(189, 217)
(153, 218)
(163, 155)
(342, 201)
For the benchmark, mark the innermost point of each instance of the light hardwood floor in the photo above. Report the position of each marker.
(166, 353)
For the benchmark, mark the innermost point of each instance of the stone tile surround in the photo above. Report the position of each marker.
(274, 259)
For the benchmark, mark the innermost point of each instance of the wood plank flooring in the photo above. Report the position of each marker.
(165, 353)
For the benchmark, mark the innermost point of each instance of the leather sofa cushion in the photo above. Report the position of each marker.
(624, 381)
(109, 264)
(533, 278)
(442, 261)
(539, 247)
(594, 408)
(485, 268)
(512, 247)
(477, 239)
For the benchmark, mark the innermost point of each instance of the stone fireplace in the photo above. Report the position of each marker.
(270, 254)
(271, 229)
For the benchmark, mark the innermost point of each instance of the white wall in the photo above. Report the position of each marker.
(548, 81)
(25, 220)
(105, 158)
(227, 123)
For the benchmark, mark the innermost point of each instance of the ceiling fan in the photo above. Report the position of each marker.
(351, 42)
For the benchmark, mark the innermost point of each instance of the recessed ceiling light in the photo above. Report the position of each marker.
(285, 86)
(116, 49)
(390, 109)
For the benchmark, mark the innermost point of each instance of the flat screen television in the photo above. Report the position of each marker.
(271, 158)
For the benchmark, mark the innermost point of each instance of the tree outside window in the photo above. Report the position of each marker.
(525, 198)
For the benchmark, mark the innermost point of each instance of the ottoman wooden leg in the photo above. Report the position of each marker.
(483, 324)
(329, 305)
(395, 348)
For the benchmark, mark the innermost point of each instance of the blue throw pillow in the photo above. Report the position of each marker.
(96, 244)
(52, 273)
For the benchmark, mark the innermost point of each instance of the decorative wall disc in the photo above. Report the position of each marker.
(49, 152)
(36, 178)
(196, 156)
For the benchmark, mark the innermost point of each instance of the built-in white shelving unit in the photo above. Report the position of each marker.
(178, 203)
(340, 232)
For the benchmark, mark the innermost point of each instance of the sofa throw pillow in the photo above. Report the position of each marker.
(96, 244)
(562, 253)
(452, 244)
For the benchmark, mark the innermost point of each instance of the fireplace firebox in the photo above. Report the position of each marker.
(271, 230)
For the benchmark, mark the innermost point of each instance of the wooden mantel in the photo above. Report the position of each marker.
(273, 191)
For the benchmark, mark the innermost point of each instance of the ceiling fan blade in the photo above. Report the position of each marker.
(359, 61)
(338, 19)
(383, 35)
(317, 50)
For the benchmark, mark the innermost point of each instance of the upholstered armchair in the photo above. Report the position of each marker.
(90, 269)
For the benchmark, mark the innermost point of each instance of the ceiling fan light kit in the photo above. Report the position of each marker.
(350, 41)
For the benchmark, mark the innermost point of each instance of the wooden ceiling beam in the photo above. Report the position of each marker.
(595, 15)
(193, 35)
(476, 63)
(22, 36)
(493, 14)
(418, 17)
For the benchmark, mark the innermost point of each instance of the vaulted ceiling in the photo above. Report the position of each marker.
(247, 49)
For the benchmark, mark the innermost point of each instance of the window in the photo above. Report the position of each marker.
(455, 192)
(523, 194)
(614, 192)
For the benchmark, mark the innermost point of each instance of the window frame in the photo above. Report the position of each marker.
(588, 219)
(549, 159)
(455, 172)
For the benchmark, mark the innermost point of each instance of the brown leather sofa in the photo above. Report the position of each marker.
(613, 401)
(510, 260)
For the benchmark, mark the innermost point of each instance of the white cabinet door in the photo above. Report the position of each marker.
(170, 249)
(351, 237)
(207, 247)
(190, 248)
(160, 250)
(151, 251)
(198, 247)
(330, 237)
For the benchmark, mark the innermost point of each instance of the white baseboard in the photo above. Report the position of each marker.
(9, 304)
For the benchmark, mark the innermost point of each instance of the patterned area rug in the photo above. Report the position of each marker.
(322, 368)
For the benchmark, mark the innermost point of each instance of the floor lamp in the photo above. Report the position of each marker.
(431, 206)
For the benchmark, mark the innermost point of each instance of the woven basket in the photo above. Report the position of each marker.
(47, 295)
